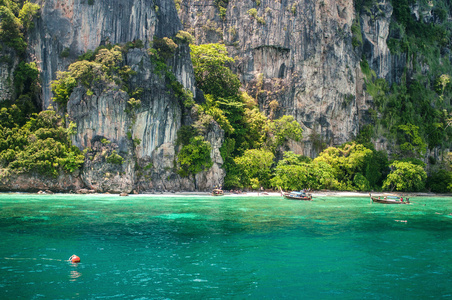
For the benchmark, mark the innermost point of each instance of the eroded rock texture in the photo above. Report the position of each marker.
(300, 54)
(144, 138)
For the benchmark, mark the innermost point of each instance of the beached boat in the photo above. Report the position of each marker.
(217, 192)
(390, 199)
(294, 195)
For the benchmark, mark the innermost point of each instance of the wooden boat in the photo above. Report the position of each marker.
(389, 199)
(294, 195)
(217, 192)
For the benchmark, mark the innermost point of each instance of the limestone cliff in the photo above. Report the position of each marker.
(141, 142)
(300, 54)
(105, 124)
(8, 62)
(78, 26)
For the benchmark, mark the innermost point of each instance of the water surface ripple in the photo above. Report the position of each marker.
(230, 247)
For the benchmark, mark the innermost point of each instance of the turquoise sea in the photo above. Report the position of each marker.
(230, 247)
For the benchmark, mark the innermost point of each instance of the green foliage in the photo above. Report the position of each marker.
(258, 127)
(376, 168)
(105, 141)
(27, 14)
(11, 29)
(194, 157)
(65, 52)
(16, 17)
(221, 3)
(41, 145)
(365, 68)
(361, 182)
(222, 12)
(133, 44)
(165, 47)
(178, 3)
(440, 181)
(254, 164)
(357, 39)
(184, 95)
(63, 87)
(86, 72)
(363, 4)
(246, 128)
(293, 9)
(347, 161)
(284, 129)
(411, 143)
(211, 73)
(105, 64)
(133, 104)
(88, 55)
(423, 93)
(109, 58)
(252, 12)
(405, 176)
(441, 83)
(296, 172)
(26, 77)
(185, 134)
(115, 158)
(184, 37)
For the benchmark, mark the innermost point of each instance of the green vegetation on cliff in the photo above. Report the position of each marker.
(249, 135)
(16, 17)
(104, 65)
(30, 142)
(41, 145)
(413, 112)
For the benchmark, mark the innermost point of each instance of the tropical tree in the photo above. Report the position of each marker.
(194, 157)
(347, 161)
(255, 164)
(296, 172)
(410, 141)
(211, 72)
(405, 176)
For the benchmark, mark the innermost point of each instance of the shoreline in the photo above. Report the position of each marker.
(249, 194)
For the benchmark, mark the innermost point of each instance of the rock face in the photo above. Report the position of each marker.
(77, 26)
(300, 54)
(143, 137)
(126, 150)
(105, 124)
(37, 182)
(8, 62)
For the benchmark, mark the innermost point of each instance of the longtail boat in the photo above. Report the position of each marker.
(390, 199)
(217, 192)
(294, 195)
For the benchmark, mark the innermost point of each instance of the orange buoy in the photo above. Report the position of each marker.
(74, 259)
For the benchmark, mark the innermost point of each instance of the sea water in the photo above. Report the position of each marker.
(230, 247)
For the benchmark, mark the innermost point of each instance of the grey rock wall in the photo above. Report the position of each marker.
(77, 26)
(303, 52)
(150, 164)
(8, 62)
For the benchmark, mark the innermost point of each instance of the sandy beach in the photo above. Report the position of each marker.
(314, 194)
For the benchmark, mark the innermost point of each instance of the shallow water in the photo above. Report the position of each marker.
(230, 247)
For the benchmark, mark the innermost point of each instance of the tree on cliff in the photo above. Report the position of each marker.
(211, 73)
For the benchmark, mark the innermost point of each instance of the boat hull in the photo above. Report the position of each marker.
(304, 198)
(387, 201)
(217, 192)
